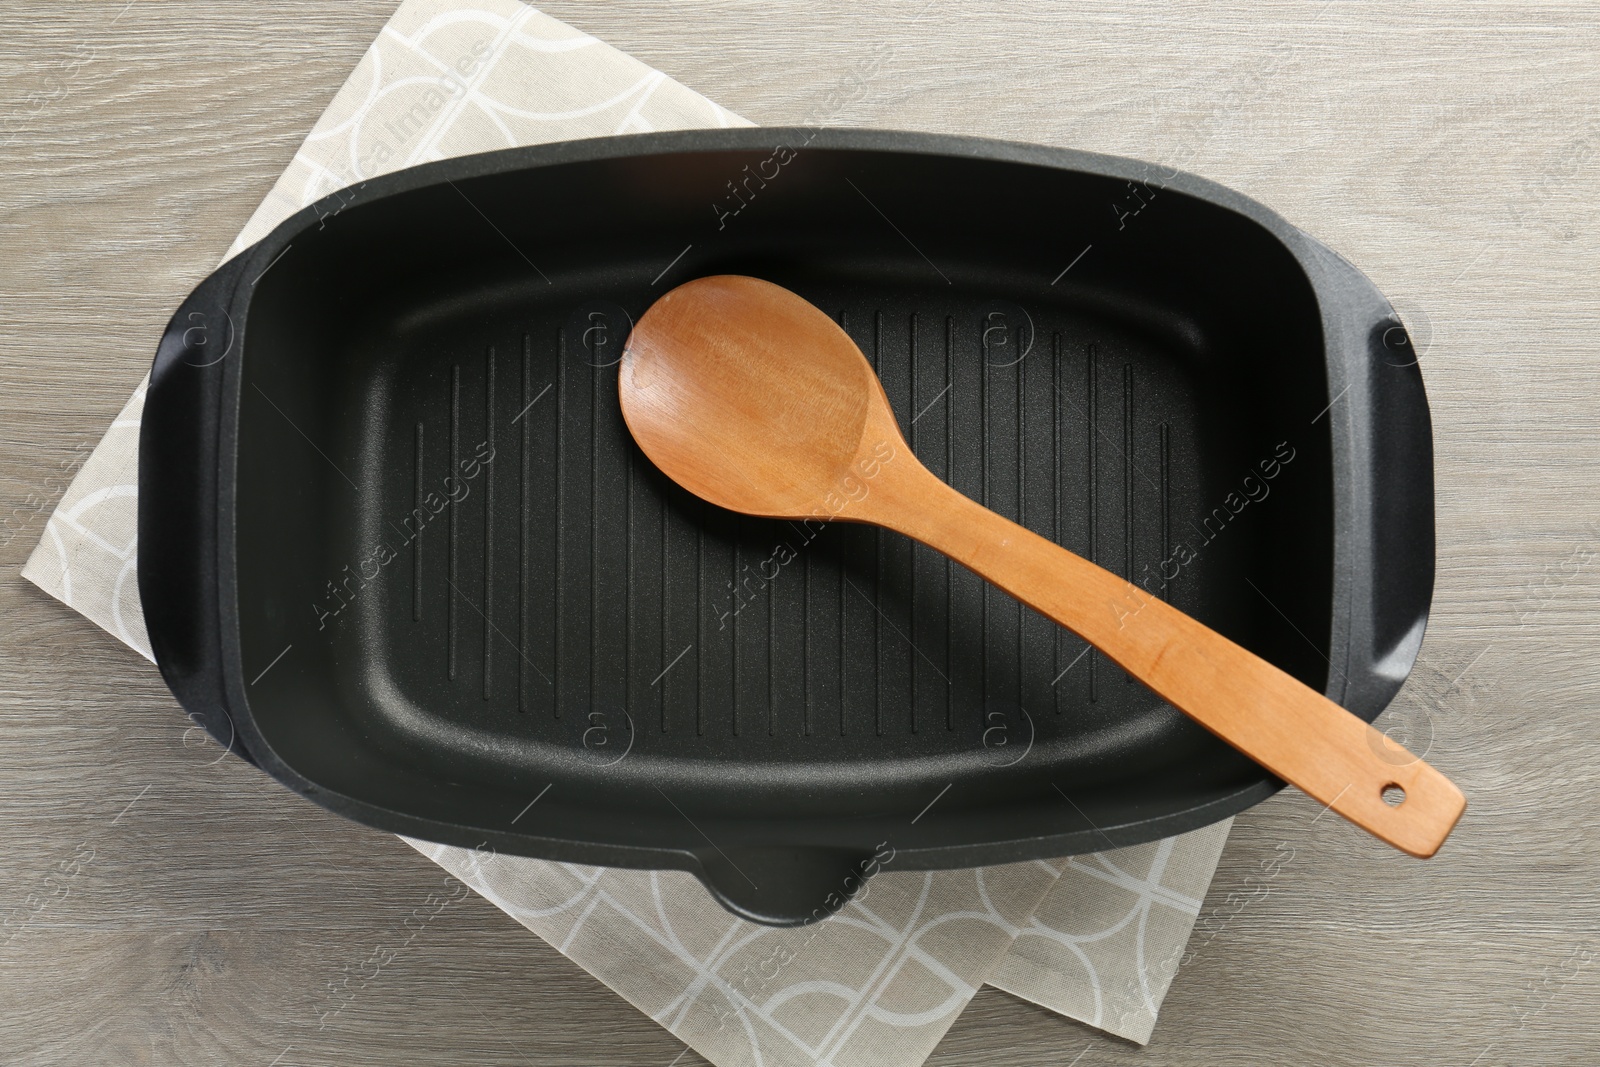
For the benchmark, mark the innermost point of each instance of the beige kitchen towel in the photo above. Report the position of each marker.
(882, 981)
(1106, 942)
(876, 985)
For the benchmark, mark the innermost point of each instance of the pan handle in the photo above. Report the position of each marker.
(178, 458)
(1384, 487)
(1402, 533)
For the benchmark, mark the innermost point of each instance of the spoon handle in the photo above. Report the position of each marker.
(1295, 732)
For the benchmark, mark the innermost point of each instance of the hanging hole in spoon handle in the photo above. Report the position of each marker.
(1278, 721)
(1414, 814)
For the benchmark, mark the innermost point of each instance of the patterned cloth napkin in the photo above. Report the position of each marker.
(1097, 938)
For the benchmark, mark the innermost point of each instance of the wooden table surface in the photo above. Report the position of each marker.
(186, 911)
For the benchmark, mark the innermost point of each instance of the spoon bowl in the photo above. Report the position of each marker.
(773, 436)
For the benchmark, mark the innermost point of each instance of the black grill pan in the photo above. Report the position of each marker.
(397, 548)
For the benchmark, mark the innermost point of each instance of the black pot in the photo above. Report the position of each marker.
(397, 548)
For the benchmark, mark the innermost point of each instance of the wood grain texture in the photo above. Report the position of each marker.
(1452, 152)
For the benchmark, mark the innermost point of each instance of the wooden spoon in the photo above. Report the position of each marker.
(752, 398)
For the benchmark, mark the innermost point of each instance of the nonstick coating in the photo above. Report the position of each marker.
(446, 582)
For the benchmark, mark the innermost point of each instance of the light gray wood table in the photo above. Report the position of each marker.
(1452, 152)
